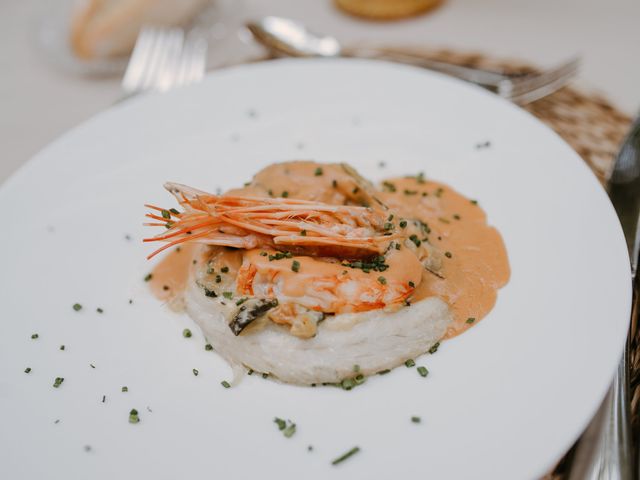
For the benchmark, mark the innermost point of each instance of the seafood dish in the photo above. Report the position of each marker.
(313, 275)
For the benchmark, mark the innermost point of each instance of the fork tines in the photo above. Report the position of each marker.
(165, 58)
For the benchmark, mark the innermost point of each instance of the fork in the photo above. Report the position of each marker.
(519, 89)
(165, 58)
(286, 37)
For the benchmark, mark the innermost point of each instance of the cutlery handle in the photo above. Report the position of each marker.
(486, 78)
(604, 451)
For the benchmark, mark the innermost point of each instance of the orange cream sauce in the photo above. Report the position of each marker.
(169, 277)
(307, 180)
(474, 258)
(475, 263)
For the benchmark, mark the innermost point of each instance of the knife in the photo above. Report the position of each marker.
(605, 451)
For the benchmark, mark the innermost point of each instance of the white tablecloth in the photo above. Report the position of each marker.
(38, 102)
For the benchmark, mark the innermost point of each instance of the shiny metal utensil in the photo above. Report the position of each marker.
(290, 38)
(605, 451)
(165, 58)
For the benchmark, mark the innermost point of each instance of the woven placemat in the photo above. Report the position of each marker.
(595, 128)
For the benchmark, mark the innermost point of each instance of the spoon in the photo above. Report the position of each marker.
(286, 37)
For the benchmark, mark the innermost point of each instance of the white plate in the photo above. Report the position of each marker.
(504, 400)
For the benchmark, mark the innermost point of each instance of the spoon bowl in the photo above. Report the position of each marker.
(290, 38)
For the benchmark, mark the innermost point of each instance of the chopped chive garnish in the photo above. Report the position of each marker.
(334, 184)
(99, 310)
(348, 383)
(241, 301)
(410, 363)
(34, 336)
(208, 347)
(423, 371)
(280, 422)
(416, 419)
(403, 223)
(434, 348)
(355, 190)
(285, 194)
(133, 416)
(474, 202)
(410, 192)
(280, 256)
(263, 254)
(57, 382)
(382, 280)
(439, 192)
(61, 347)
(290, 430)
(359, 379)
(303, 233)
(390, 217)
(77, 307)
(389, 186)
(174, 211)
(265, 375)
(456, 216)
(420, 177)
(414, 238)
(310, 448)
(218, 279)
(224, 269)
(209, 293)
(448, 254)
(411, 284)
(356, 368)
(227, 295)
(165, 214)
(384, 372)
(270, 192)
(318, 172)
(388, 226)
(186, 333)
(295, 266)
(195, 372)
(92, 365)
(345, 456)
(104, 398)
(125, 389)
(27, 370)
(444, 220)
(148, 277)
(470, 320)
(225, 384)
